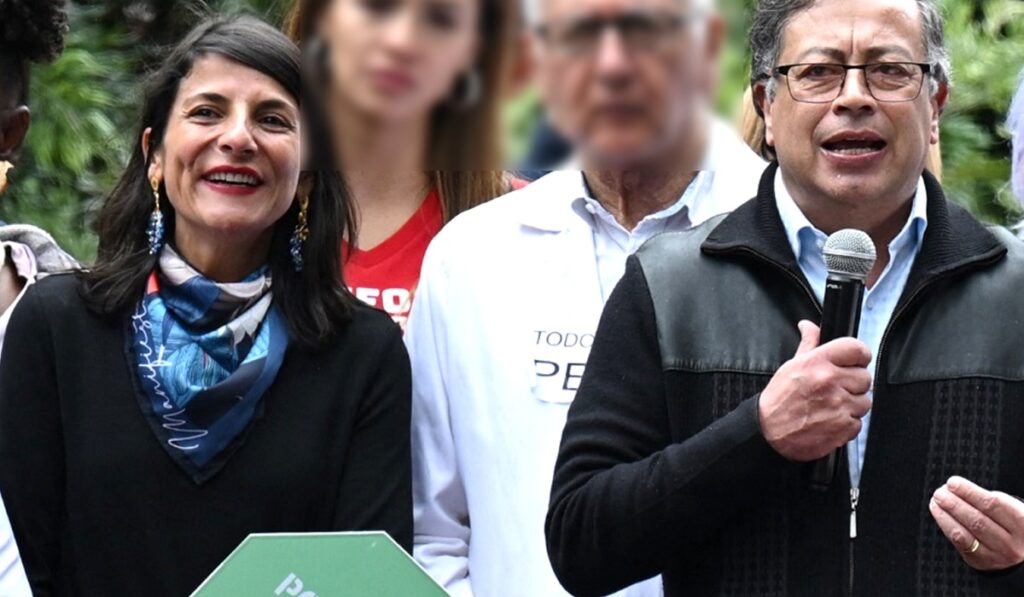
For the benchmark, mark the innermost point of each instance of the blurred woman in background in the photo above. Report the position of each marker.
(211, 376)
(414, 90)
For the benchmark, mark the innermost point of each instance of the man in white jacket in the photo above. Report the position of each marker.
(511, 291)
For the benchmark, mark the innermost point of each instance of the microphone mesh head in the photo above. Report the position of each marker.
(850, 253)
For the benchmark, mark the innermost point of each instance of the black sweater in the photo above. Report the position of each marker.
(663, 468)
(99, 508)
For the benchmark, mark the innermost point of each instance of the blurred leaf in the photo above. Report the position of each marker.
(85, 105)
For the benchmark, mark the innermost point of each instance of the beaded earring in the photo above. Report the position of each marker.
(155, 230)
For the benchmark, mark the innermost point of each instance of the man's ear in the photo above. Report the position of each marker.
(712, 45)
(939, 101)
(764, 106)
(715, 41)
(13, 128)
(522, 67)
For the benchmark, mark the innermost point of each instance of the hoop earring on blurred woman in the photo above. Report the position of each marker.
(470, 90)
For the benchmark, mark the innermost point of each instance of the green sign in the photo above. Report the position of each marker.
(319, 565)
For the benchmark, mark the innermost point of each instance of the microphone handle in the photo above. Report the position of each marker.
(840, 318)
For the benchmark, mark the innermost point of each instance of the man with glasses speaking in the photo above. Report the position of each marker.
(511, 292)
(694, 444)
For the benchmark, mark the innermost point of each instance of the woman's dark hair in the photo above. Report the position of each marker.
(314, 301)
(30, 31)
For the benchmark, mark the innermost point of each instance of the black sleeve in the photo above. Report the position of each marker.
(32, 443)
(625, 499)
(376, 487)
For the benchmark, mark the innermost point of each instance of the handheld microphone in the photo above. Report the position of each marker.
(849, 257)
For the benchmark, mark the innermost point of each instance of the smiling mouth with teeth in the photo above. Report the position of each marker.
(855, 146)
(235, 179)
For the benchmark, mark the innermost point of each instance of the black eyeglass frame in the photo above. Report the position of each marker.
(783, 70)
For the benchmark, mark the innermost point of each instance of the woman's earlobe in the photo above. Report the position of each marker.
(154, 168)
(305, 185)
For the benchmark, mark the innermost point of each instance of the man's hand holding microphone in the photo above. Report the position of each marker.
(815, 401)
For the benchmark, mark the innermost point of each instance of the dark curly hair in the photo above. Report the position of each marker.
(30, 31)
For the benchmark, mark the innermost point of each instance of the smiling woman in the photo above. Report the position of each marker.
(229, 162)
(218, 379)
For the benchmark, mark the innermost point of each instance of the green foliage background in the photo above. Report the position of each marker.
(84, 109)
(84, 105)
(986, 41)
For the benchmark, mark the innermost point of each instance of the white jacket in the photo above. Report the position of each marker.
(506, 308)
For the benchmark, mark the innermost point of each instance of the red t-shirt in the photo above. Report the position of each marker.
(386, 276)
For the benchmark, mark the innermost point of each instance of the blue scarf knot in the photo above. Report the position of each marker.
(205, 353)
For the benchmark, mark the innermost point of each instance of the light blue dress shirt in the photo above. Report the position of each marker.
(879, 301)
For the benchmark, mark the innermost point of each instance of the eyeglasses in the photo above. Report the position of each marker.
(821, 83)
(640, 31)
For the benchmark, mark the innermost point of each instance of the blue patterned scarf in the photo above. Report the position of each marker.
(205, 354)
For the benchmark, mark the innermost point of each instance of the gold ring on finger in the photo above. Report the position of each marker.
(974, 547)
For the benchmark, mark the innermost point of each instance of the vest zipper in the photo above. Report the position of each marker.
(854, 500)
(855, 491)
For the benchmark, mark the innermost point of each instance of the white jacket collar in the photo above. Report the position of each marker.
(549, 200)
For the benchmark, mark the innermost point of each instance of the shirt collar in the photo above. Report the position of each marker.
(804, 237)
(546, 204)
(587, 207)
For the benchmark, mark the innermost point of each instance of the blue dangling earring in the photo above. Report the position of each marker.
(301, 234)
(155, 230)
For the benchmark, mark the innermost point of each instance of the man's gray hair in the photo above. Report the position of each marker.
(1015, 122)
(533, 10)
(771, 19)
